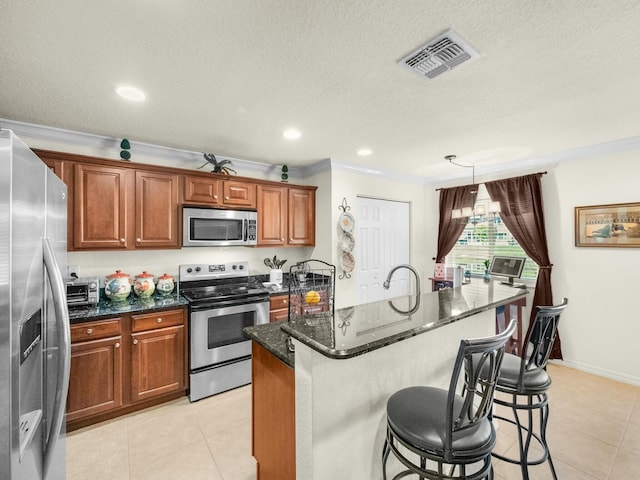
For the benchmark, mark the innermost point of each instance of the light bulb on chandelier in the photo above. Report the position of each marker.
(463, 214)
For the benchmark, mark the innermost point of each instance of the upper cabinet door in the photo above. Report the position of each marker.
(156, 210)
(202, 190)
(239, 194)
(101, 209)
(302, 217)
(272, 215)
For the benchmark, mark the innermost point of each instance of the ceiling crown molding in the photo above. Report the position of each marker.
(112, 145)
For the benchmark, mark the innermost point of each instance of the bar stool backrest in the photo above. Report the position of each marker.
(480, 359)
(542, 335)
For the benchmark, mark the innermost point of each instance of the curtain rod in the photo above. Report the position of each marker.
(537, 173)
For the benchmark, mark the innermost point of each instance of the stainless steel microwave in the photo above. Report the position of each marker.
(212, 227)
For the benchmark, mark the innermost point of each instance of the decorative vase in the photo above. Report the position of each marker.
(117, 286)
(143, 285)
(165, 284)
(486, 277)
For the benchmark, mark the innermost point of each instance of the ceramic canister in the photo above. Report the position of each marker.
(117, 286)
(165, 284)
(275, 276)
(144, 285)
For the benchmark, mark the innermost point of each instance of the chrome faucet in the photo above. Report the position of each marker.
(386, 283)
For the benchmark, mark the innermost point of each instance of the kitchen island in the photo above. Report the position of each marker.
(344, 368)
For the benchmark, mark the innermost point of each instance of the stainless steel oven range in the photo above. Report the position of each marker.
(222, 301)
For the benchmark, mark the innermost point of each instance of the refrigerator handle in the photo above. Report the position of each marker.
(58, 290)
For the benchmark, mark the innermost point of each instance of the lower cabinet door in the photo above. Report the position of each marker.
(157, 362)
(95, 384)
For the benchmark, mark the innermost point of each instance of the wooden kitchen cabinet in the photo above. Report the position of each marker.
(273, 419)
(278, 307)
(118, 208)
(95, 382)
(157, 354)
(156, 211)
(219, 192)
(102, 203)
(124, 364)
(286, 216)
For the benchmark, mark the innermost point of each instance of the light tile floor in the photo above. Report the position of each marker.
(594, 433)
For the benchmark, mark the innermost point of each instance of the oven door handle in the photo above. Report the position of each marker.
(217, 305)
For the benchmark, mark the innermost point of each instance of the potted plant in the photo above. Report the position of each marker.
(486, 276)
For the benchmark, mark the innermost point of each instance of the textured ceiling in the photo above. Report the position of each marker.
(228, 77)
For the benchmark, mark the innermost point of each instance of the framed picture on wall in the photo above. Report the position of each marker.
(615, 225)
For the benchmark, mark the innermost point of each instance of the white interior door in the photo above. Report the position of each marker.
(383, 242)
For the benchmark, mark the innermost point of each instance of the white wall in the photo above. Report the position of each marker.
(347, 183)
(601, 327)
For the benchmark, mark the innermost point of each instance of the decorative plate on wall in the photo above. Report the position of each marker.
(346, 222)
(346, 242)
(347, 262)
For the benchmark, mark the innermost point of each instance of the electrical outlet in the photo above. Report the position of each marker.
(72, 271)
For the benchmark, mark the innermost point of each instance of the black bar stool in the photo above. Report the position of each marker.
(525, 381)
(450, 429)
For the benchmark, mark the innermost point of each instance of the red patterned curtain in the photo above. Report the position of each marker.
(522, 213)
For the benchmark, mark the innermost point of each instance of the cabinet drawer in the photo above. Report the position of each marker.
(95, 330)
(281, 301)
(150, 321)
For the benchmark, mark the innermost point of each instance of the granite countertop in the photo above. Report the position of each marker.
(274, 339)
(359, 329)
(133, 304)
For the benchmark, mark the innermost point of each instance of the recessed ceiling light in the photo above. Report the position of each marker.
(291, 134)
(131, 93)
(364, 152)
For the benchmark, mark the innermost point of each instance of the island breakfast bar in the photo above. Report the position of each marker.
(331, 393)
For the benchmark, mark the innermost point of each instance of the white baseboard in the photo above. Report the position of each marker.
(601, 372)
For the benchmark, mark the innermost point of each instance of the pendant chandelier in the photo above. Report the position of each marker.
(463, 214)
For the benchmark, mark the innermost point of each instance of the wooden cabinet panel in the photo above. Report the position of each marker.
(240, 194)
(127, 363)
(286, 216)
(278, 307)
(302, 217)
(95, 383)
(201, 190)
(161, 319)
(273, 438)
(101, 207)
(95, 330)
(156, 210)
(272, 215)
(157, 362)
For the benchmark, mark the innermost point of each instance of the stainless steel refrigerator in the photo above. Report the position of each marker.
(34, 321)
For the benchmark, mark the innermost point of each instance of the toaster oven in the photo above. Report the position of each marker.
(83, 291)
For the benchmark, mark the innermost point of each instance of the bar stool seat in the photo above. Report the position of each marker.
(525, 382)
(447, 434)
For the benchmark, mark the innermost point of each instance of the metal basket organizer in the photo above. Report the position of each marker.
(311, 290)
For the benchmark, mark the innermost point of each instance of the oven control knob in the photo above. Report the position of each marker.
(198, 269)
(241, 267)
(189, 270)
(235, 267)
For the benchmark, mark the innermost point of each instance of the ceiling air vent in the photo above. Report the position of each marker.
(439, 55)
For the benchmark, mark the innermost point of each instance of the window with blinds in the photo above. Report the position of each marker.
(484, 236)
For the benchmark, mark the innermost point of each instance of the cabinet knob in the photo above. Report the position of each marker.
(215, 197)
(286, 301)
(117, 345)
(89, 331)
(122, 240)
(138, 240)
(135, 341)
(159, 320)
(226, 198)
